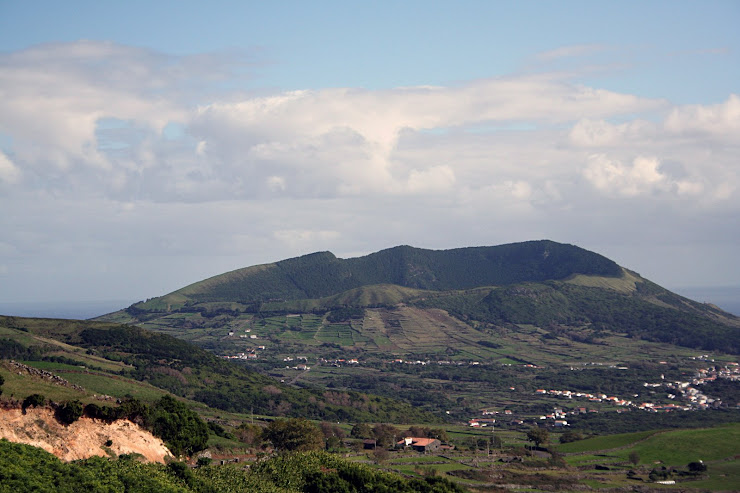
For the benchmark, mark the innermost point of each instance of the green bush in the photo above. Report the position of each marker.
(179, 426)
(33, 400)
(295, 434)
(69, 412)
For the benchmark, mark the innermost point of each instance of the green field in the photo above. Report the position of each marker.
(604, 443)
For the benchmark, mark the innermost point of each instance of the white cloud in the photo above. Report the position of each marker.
(276, 183)
(246, 179)
(436, 179)
(721, 119)
(601, 133)
(570, 51)
(305, 240)
(642, 177)
(9, 172)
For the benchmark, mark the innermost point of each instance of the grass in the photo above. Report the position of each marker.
(684, 446)
(115, 387)
(723, 476)
(603, 442)
(21, 386)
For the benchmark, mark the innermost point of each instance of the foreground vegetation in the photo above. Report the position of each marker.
(26, 469)
(695, 460)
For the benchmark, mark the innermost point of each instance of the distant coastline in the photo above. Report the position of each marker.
(727, 297)
(80, 310)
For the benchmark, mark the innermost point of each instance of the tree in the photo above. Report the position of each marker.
(331, 430)
(179, 426)
(570, 436)
(634, 457)
(538, 435)
(438, 433)
(33, 400)
(69, 412)
(380, 455)
(385, 434)
(361, 430)
(204, 461)
(295, 434)
(249, 434)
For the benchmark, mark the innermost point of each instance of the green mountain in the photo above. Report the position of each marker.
(560, 288)
(322, 274)
(471, 323)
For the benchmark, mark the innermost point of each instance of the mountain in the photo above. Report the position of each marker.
(557, 287)
(322, 274)
(449, 331)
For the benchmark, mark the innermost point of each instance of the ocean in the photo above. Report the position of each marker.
(80, 310)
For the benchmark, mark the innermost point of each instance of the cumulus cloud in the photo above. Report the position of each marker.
(642, 176)
(115, 150)
(601, 133)
(721, 119)
(9, 172)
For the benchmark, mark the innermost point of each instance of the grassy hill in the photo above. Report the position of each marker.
(467, 314)
(322, 274)
(559, 288)
(119, 360)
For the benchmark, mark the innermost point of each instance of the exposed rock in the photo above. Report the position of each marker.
(82, 439)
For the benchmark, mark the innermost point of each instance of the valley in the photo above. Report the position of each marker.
(504, 357)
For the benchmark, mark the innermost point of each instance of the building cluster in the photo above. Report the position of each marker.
(338, 363)
(689, 391)
(248, 355)
(400, 361)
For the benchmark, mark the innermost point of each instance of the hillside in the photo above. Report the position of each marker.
(322, 274)
(90, 359)
(562, 289)
(468, 325)
(82, 439)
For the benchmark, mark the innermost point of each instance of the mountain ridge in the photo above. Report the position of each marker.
(560, 288)
(322, 274)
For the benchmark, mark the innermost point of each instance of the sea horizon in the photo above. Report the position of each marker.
(77, 310)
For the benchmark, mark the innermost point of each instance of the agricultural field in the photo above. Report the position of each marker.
(616, 461)
(486, 368)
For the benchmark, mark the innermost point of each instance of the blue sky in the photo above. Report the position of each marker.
(147, 145)
(659, 48)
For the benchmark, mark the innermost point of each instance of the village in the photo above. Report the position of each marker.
(685, 395)
(687, 392)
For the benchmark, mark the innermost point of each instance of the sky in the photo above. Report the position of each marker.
(148, 145)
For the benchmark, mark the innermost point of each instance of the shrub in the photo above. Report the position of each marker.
(69, 412)
(634, 457)
(295, 434)
(570, 436)
(33, 400)
(179, 426)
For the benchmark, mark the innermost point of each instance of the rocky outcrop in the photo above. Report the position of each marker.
(82, 439)
(22, 369)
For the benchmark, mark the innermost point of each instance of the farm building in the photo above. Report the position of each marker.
(420, 444)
